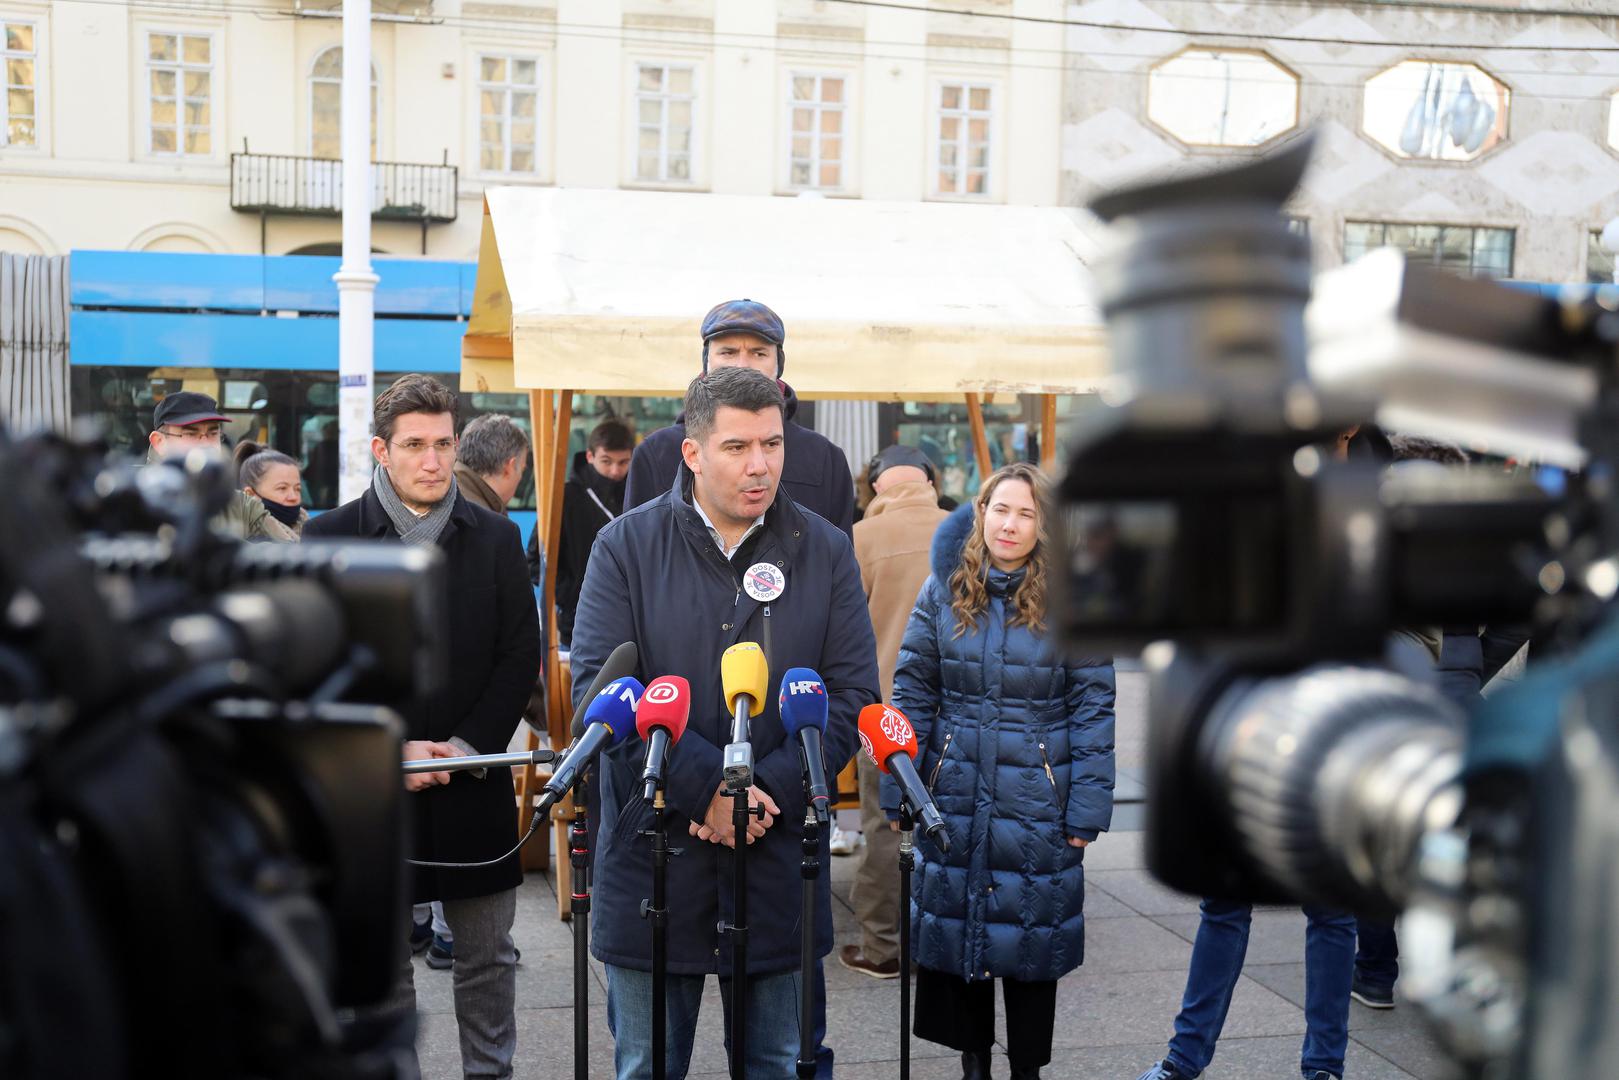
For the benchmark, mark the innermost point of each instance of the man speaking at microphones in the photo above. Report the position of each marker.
(721, 558)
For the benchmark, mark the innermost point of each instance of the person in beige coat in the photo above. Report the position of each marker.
(891, 543)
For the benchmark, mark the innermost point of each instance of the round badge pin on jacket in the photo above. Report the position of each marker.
(764, 582)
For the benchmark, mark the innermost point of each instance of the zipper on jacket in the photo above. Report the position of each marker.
(943, 752)
(769, 660)
(1051, 776)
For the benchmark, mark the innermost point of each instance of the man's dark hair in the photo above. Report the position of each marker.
(1422, 448)
(738, 387)
(411, 394)
(490, 441)
(611, 434)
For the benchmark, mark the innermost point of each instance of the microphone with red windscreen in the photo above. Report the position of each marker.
(661, 720)
(890, 741)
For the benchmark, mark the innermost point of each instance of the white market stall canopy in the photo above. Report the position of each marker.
(604, 291)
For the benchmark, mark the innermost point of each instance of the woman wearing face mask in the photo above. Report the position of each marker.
(1016, 742)
(273, 478)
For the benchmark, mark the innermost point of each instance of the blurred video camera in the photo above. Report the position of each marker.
(1205, 521)
(201, 845)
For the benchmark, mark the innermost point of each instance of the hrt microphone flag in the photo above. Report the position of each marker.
(890, 741)
(661, 720)
(803, 706)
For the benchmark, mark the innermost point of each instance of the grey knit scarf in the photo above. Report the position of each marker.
(423, 531)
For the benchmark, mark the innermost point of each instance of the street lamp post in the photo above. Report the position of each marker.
(356, 284)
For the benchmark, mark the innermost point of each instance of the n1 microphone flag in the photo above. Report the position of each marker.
(620, 662)
(608, 721)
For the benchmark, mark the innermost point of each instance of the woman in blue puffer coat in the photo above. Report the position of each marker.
(1016, 745)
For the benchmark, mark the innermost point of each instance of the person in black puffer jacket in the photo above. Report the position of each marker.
(1017, 749)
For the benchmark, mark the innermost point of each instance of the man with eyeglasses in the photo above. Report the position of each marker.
(493, 645)
(187, 421)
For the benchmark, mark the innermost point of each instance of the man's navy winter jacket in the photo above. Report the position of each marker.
(657, 578)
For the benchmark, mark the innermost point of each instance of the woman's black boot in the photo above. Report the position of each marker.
(1025, 1074)
(975, 1065)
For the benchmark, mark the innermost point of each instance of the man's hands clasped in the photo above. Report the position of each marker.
(717, 826)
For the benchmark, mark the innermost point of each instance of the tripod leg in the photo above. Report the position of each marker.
(741, 812)
(579, 853)
(906, 861)
(810, 870)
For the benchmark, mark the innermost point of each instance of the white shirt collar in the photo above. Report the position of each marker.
(719, 539)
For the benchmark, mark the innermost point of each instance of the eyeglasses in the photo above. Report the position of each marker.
(416, 447)
(186, 434)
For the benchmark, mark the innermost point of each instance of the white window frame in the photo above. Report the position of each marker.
(696, 174)
(935, 142)
(144, 35)
(816, 107)
(541, 128)
(310, 79)
(35, 25)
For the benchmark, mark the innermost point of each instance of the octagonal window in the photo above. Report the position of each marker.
(1223, 97)
(1433, 111)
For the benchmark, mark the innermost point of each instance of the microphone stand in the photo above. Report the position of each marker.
(579, 851)
(656, 912)
(810, 870)
(907, 861)
(739, 778)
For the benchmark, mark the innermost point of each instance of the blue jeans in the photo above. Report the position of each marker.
(1377, 957)
(772, 1023)
(1217, 956)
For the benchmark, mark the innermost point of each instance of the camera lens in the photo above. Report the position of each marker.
(1331, 776)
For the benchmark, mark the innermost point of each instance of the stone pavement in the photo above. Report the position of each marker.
(1113, 1015)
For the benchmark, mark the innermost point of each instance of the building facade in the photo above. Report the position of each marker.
(1479, 136)
(147, 127)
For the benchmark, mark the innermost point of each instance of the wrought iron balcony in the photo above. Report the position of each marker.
(283, 184)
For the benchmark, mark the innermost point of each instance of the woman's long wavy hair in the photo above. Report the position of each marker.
(968, 585)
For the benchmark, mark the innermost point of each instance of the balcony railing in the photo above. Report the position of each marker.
(284, 184)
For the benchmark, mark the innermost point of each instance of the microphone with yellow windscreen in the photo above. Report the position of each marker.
(745, 675)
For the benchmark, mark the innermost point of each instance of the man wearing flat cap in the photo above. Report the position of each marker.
(891, 543)
(815, 474)
(187, 421)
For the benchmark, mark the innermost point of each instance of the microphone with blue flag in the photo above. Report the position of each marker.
(803, 707)
(608, 721)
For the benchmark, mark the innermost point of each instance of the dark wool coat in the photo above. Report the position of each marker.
(657, 578)
(1016, 745)
(494, 655)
